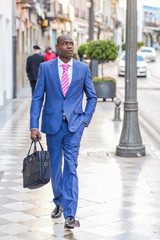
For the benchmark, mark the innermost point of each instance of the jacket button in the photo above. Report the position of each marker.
(62, 111)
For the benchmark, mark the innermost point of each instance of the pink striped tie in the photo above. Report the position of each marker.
(65, 79)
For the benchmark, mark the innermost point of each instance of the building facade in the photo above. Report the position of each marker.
(6, 86)
(80, 23)
(102, 17)
(29, 33)
(151, 26)
(63, 16)
(149, 22)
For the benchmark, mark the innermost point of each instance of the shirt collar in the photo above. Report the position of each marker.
(70, 63)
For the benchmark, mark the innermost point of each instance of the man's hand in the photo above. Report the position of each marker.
(35, 133)
(85, 124)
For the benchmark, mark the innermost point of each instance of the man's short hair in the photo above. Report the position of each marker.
(36, 47)
(59, 38)
(48, 48)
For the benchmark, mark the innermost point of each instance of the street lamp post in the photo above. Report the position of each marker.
(94, 63)
(91, 20)
(130, 144)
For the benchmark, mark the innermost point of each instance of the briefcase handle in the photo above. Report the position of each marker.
(35, 148)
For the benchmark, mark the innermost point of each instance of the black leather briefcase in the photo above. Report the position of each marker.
(36, 167)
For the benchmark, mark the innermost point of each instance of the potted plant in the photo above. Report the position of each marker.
(105, 88)
(103, 51)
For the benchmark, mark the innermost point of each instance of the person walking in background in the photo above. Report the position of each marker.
(64, 80)
(80, 56)
(49, 55)
(32, 66)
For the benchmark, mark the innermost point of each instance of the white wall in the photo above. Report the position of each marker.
(5, 52)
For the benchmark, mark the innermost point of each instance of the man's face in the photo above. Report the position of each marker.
(65, 47)
(49, 50)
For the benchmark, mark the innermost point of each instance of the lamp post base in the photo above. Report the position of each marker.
(130, 151)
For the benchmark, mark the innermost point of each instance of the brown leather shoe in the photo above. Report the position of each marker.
(71, 222)
(57, 212)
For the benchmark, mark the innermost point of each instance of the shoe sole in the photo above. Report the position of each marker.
(68, 228)
(56, 216)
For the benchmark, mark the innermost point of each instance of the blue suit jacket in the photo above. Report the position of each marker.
(56, 104)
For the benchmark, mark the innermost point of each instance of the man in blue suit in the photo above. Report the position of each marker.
(63, 82)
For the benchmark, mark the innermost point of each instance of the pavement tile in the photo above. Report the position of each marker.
(39, 212)
(21, 196)
(55, 230)
(35, 234)
(53, 221)
(128, 236)
(6, 192)
(106, 230)
(19, 206)
(13, 228)
(6, 200)
(4, 210)
(16, 216)
(145, 219)
(152, 231)
(104, 218)
(81, 235)
(37, 223)
(11, 237)
(9, 183)
(2, 235)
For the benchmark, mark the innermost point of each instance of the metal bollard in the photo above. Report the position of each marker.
(117, 102)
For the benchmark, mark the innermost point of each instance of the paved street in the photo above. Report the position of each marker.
(119, 197)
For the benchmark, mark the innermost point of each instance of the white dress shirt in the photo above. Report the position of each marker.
(69, 71)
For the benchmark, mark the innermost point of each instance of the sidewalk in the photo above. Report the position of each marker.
(119, 198)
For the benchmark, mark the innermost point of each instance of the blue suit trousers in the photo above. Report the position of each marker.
(65, 181)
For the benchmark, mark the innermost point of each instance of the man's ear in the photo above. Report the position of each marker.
(57, 47)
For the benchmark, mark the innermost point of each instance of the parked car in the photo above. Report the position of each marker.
(149, 53)
(141, 66)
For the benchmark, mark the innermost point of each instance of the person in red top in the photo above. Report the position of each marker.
(49, 54)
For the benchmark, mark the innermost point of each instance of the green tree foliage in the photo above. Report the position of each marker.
(83, 49)
(123, 46)
(139, 44)
(102, 50)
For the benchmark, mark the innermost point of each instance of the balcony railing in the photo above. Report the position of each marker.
(152, 24)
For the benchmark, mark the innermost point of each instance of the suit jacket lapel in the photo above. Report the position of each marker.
(56, 74)
(74, 74)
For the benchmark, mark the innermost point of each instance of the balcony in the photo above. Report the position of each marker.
(62, 11)
(152, 24)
